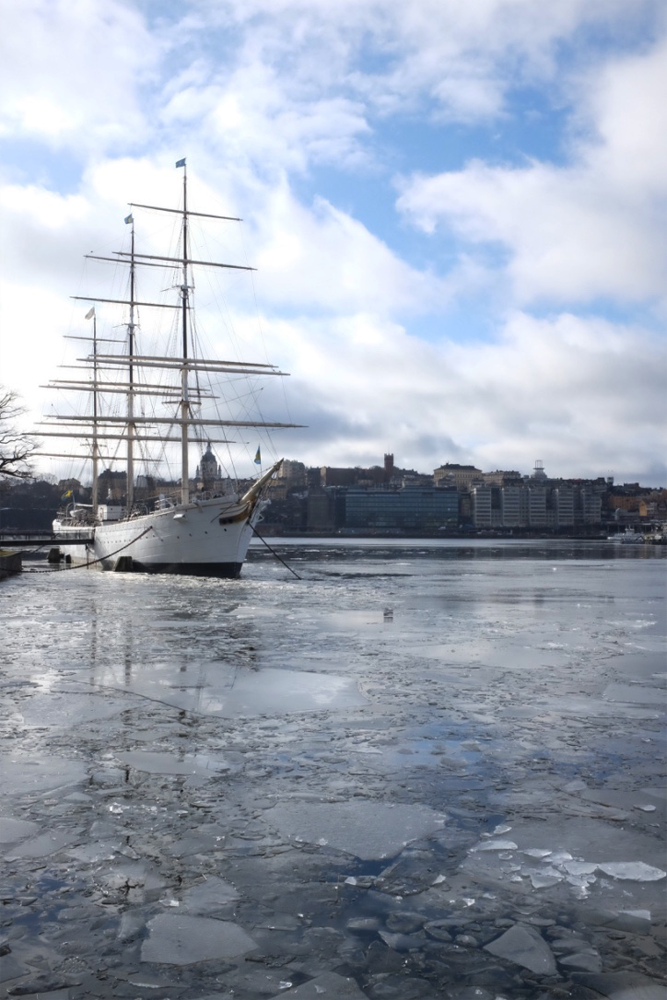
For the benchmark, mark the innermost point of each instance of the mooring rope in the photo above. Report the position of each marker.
(273, 552)
(87, 565)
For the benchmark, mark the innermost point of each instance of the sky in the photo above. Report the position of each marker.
(457, 211)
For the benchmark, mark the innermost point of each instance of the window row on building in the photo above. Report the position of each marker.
(529, 506)
(436, 508)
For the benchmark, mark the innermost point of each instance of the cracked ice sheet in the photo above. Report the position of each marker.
(172, 763)
(67, 709)
(209, 896)
(367, 830)
(23, 775)
(328, 985)
(12, 829)
(231, 693)
(624, 986)
(183, 940)
(578, 854)
(44, 844)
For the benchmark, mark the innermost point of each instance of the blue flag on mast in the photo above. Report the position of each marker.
(258, 457)
(180, 163)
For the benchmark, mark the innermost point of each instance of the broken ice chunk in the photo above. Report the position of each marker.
(624, 986)
(495, 845)
(579, 867)
(14, 829)
(586, 961)
(327, 985)
(545, 879)
(182, 940)
(524, 946)
(560, 858)
(43, 845)
(635, 871)
(365, 829)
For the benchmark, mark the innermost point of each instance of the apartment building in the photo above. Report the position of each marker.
(413, 507)
(539, 507)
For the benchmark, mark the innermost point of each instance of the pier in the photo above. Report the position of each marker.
(35, 539)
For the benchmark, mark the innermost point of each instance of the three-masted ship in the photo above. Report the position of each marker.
(191, 530)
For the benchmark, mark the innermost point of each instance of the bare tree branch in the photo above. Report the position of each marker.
(16, 447)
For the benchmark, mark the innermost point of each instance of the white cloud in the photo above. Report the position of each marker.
(624, 103)
(572, 235)
(593, 228)
(573, 392)
(323, 259)
(72, 73)
(462, 57)
(259, 94)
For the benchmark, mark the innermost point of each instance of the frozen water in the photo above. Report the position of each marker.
(212, 895)
(640, 694)
(60, 710)
(11, 968)
(43, 845)
(545, 879)
(625, 986)
(186, 764)
(365, 829)
(635, 871)
(524, 946)
(328, 986)
(267, 764)
(25, 775)
(579, 867)
(230, 692)
(15, 829)
(496, 845)
(182, 940)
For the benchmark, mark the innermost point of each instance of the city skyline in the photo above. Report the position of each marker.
(538, 472)
(457, 214)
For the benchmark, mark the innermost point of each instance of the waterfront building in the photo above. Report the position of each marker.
(563, 506)
(482, 506)
(292, 474)
(510, 506)
(462, 477)
(587, 505)
(536, 497)
(502, 478)
(411, 508)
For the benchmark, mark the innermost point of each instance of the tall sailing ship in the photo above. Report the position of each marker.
(171, 400)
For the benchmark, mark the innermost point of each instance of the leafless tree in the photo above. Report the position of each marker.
(16, 447)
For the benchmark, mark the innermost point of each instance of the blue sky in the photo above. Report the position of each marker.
(457, 210)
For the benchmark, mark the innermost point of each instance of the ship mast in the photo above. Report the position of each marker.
(137, 427)
(95, 427)
(185, 402)
(129, 499)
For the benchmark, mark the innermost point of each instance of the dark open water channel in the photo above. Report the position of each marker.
(420, 771)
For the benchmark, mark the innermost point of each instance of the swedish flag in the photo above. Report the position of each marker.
(258, 457)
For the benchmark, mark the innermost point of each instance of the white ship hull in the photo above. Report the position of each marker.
(204, 538)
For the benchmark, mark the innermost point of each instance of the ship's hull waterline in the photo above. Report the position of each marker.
(204, 538)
